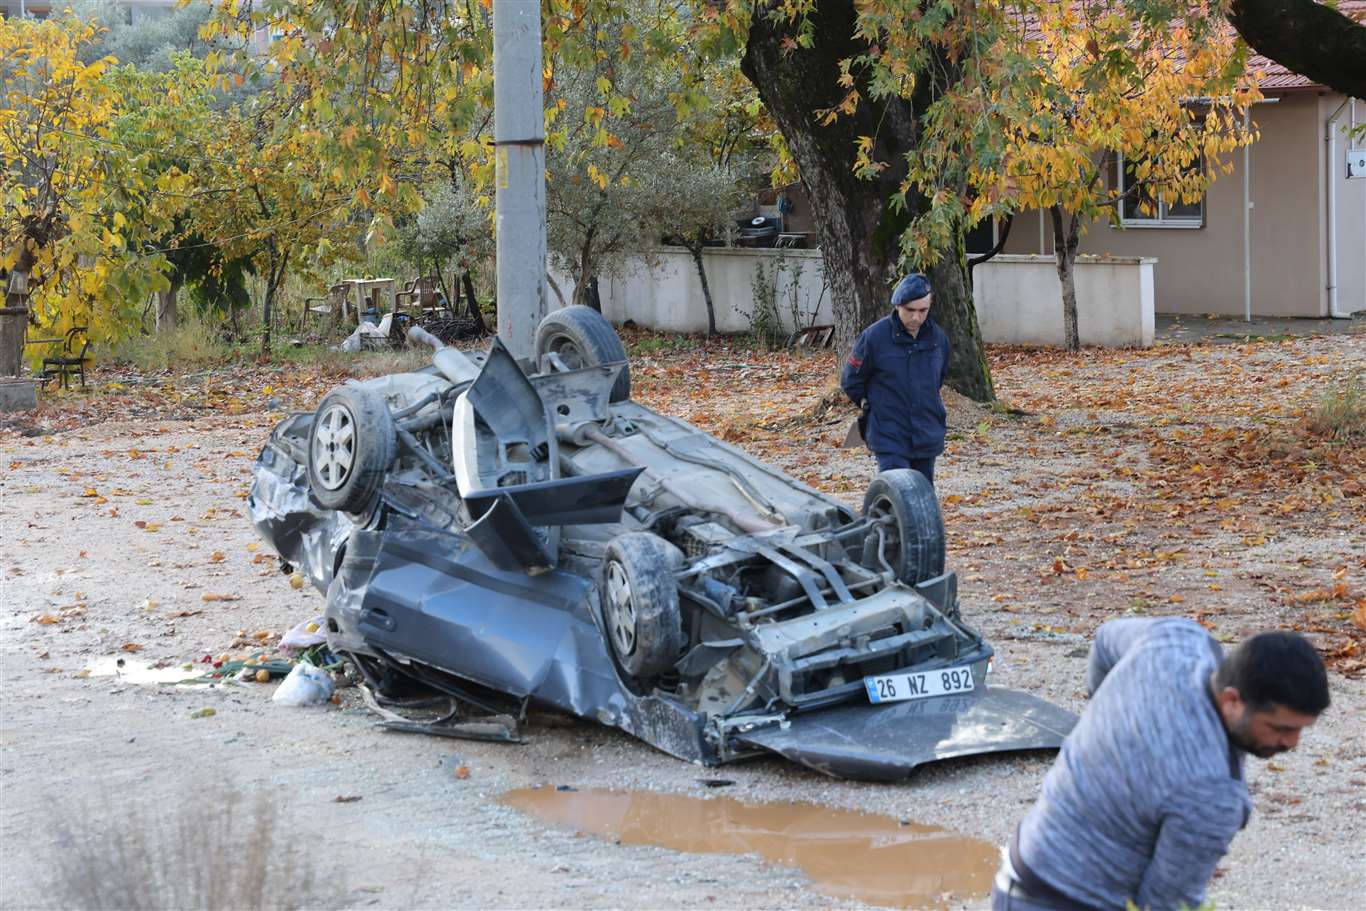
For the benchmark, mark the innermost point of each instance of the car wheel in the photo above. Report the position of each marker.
(582, 337)
(914, 544)
(640, 603)
(350, 446)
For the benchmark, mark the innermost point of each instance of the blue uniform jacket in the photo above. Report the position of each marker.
(899, 375)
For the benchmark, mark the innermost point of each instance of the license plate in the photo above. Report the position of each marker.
(918, 684)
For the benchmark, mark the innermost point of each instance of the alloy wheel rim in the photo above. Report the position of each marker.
(621, 611)
(334, 447)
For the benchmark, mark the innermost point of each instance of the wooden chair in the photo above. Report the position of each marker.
(62, 366)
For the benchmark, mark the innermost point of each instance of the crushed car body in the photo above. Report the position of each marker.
(511, 535)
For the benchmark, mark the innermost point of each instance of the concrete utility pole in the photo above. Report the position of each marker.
(519, 138)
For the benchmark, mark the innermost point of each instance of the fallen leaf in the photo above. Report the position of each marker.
(205, 712)
(296, 581)
(210, 596)
(217, 557)
(462, 772)
(131, 647)
(47, 619)
(346, 798)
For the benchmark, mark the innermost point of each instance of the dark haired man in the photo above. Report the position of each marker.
(894, 373)
(1148, 790)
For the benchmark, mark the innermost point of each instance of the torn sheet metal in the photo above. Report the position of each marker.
(887, 742)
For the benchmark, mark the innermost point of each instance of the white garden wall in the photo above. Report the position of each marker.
(1019, 300)
(1017, 296)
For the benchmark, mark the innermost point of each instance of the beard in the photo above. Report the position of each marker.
(1241, 735)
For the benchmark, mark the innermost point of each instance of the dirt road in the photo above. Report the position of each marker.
(126, 537)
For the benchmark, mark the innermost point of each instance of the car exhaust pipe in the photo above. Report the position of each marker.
(747, 522)
(452, 362)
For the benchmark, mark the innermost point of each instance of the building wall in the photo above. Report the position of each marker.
(667, 293)
(1019, 300)
(1350, 204)
(1200, 270)
(1017, 297)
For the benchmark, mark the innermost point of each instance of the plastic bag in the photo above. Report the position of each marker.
(305, 685)
(299, 638)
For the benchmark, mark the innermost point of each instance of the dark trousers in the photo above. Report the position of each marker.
(1011, 896)
(886, 461)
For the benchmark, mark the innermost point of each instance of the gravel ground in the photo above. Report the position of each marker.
(99, 751)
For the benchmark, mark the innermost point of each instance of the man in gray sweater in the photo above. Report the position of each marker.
(1148, 791)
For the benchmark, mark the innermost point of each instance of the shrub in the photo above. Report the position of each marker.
(1341, 415)
(198, 339)
(214, 852)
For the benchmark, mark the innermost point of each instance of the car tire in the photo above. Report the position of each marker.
(915, 546)
(640, 609)
(350, 447)
(583, 337)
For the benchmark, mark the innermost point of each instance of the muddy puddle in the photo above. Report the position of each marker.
(876, 859)
(128, 670)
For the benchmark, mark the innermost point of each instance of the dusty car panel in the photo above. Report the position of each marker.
(885, 743)
(513, 540)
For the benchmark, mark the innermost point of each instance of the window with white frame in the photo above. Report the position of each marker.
(1142, 207)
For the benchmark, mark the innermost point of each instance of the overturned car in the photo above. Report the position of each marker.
(505, 536)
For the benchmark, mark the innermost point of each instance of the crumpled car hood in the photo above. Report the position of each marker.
(887, 742)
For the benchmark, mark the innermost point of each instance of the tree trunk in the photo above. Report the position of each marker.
(696, 250)
(585, 276)
(858, 229)
(14, 321)
(168, 317)
(1065, 241)
(555, 286)
(472, 303)
(275, 277)
(1308, 38)
(594, 298)
(450, 293)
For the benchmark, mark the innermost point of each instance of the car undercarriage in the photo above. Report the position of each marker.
(506, 535)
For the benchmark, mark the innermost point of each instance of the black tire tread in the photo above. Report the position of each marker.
(920, 523)
(649, 562)
(593, 335)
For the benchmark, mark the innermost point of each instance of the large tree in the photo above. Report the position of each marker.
(800, 66)
(1101, 92)
(1307, 37)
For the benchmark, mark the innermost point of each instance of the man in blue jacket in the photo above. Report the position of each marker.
(894, 374)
